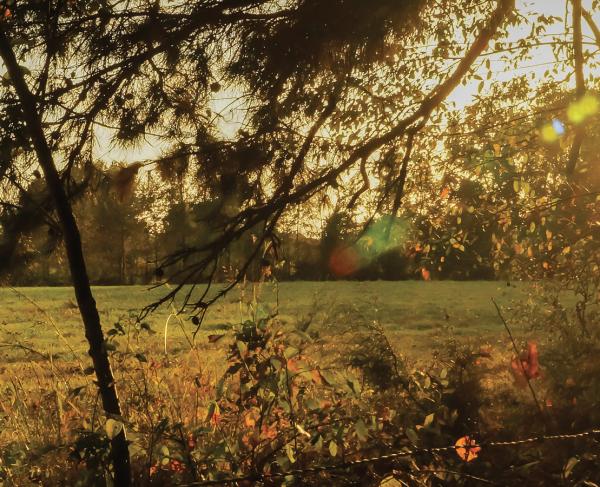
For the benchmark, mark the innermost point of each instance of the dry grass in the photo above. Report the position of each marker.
(47, 398)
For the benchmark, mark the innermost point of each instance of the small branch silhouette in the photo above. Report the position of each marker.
(514, 344)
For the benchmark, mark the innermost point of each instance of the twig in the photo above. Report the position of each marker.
(462, 474)
(514, 344)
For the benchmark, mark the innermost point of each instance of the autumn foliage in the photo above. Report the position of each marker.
(526, 366)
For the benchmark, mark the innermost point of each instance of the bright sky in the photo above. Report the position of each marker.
(461, 96)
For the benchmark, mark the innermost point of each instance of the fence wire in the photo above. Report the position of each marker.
(392, 456)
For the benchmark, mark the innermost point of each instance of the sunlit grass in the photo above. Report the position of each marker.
(413, 312)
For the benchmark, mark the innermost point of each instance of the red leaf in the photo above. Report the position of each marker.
(467, 448)
(527, 366)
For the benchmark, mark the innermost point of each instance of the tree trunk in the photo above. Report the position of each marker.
(79, 276)
(579, 87)
(122, 259)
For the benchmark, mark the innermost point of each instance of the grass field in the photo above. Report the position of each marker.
(48, 400)
(418, 316)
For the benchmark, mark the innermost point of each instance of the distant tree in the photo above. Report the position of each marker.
(335, 242)
(114, 232)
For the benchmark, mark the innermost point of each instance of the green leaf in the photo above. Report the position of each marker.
(290, 352)
(305, 336)
(354, 386)
(391, 482)
(242, 347)
(428, 420)
(333, 448)
(76, 391)
(283, 404)
(146, 326)
(113, 428)
(276, 362)
(570, 466)
(213, 409)
(411, 434)
(361, 430)
(290, 453)
(312, 404)
(214, 338)
(318, 443)
(141, 357)
(329, 377)
(165, 453)
(220, 387)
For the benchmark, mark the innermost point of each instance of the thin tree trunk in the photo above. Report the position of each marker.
(79, 276)
(122, 260)
(579, 86)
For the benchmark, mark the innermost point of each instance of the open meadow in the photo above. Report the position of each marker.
(363, 347)
(417, 316)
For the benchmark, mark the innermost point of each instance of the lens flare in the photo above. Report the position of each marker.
(558, 127)
(549, 134)
(582, 109)
(344, 261)
(385, 234)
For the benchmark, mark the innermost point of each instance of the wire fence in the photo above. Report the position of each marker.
(391, 456)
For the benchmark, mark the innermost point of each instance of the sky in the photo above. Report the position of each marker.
(107, 151)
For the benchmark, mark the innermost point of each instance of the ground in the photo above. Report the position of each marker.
(48, 397)
(417, 315)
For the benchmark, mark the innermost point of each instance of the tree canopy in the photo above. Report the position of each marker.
(263, 107)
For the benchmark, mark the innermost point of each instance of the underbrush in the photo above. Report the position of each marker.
(288, 399)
